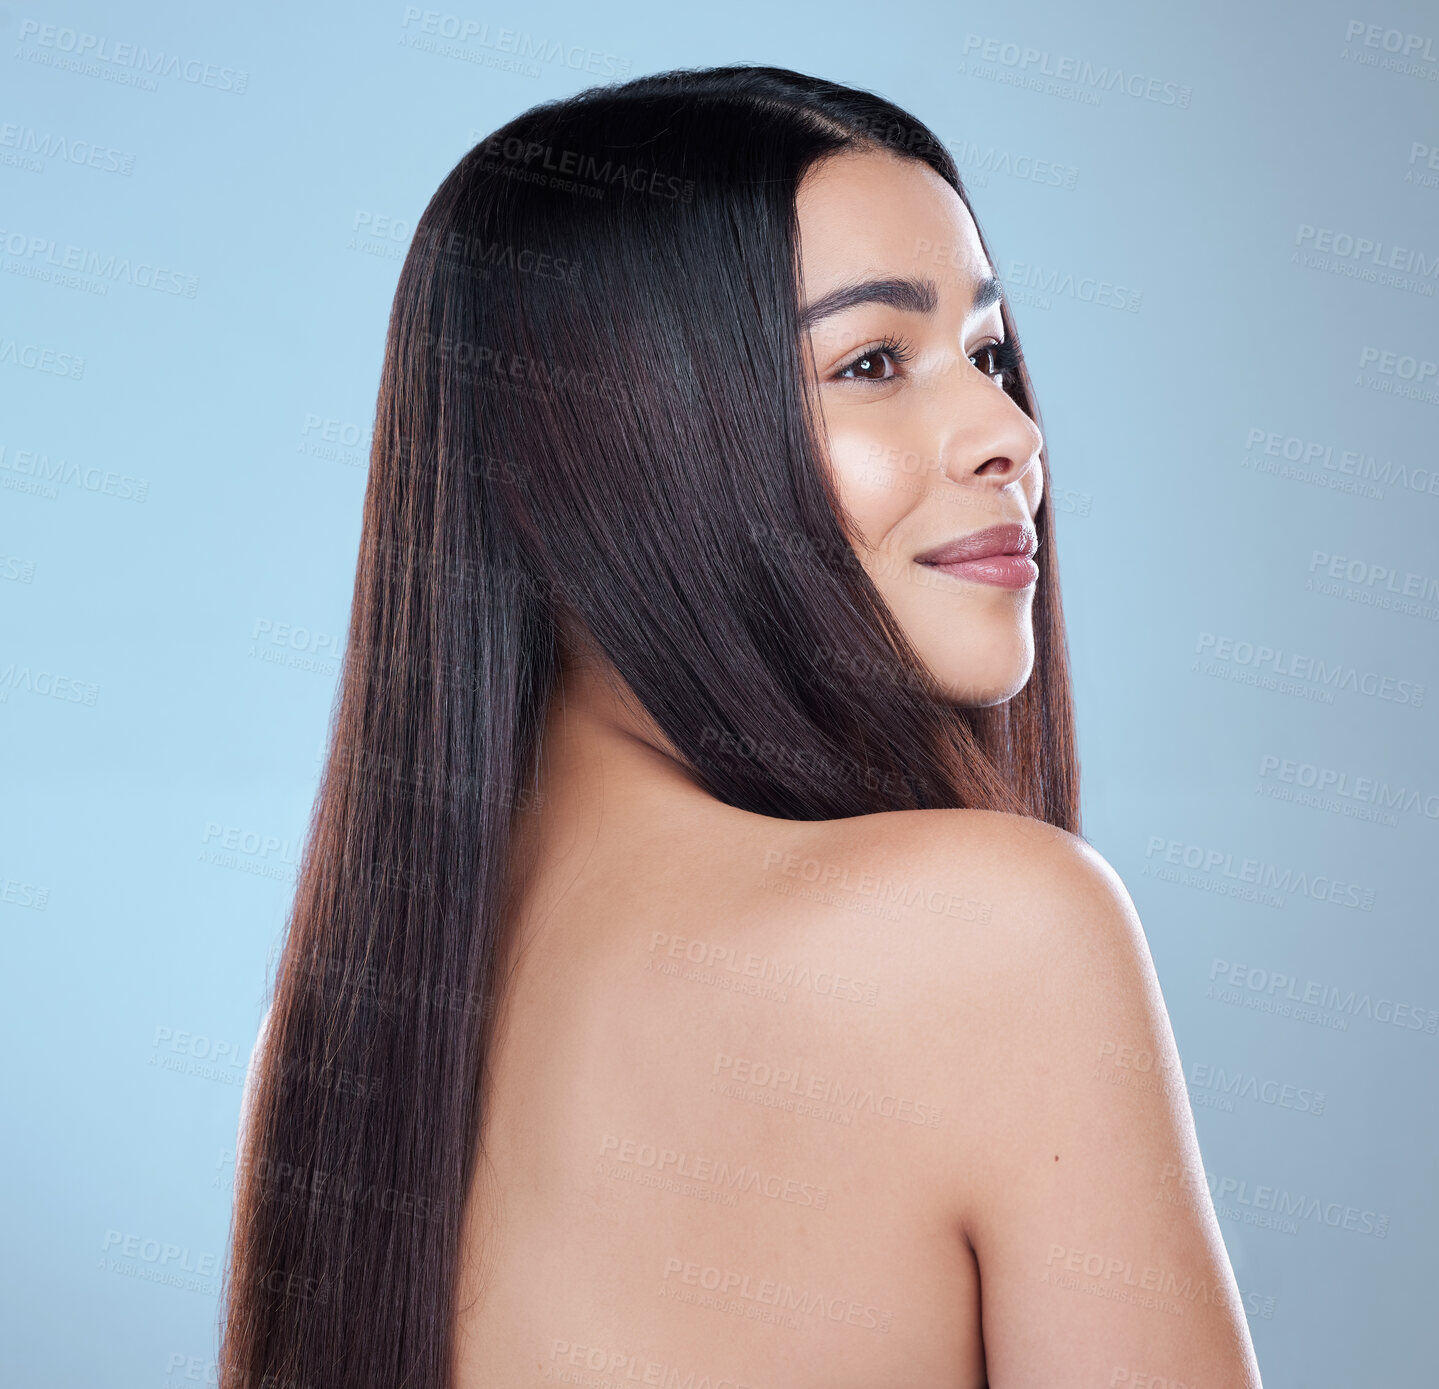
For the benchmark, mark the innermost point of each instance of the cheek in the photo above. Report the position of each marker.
(880, 476)
(1035, 488)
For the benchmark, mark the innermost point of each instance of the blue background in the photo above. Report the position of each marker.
(179, 519)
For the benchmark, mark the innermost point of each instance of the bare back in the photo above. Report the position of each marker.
(703, 1129)
(769, 1102)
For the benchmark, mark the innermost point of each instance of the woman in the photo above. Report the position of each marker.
(696, 976)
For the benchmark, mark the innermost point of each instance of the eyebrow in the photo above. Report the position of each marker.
(909, 295)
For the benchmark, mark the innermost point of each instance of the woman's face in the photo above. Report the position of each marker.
(926, 447)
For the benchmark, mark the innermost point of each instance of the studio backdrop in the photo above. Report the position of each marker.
(1218, 230)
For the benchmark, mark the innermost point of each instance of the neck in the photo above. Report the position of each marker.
(607, 774)
(598, 734)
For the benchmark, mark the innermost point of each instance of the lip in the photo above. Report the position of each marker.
(999, 555)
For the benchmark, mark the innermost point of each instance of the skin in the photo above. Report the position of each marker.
(998, 999)
(930, 449)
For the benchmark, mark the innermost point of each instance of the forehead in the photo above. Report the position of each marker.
(866, 214)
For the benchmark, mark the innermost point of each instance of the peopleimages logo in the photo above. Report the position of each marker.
(1398, 364)
(1348, 470)
(517, 44)
(34, 356)
(713, 1172)
(614, 1367)
(1275, 1208)
(738, 1286)
(1374, 583)
(791, 1082)
(1393, 50)
(508, 153)
(984, 160)
(1398, 373)
(1276, 985)
(1222, 864)
(41, 253)
(1365, 258)
(86, 154)
(1272, 664)
(83, 52)
(1026, 282)
(1341, 785)
(713, 962)
(1040, 62)
(1241, 1085)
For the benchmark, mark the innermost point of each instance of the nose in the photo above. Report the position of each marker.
(987, 439)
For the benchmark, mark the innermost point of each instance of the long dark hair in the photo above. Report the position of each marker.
(594, 416)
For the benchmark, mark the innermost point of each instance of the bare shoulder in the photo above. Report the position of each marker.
(1025, 954)
(1000, 934)
(1039, 888)
(1047, 887)
(1070, 1164)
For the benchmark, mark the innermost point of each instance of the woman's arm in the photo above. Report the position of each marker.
(1076, 1175)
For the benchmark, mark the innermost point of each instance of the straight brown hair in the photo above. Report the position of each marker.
(594, 415)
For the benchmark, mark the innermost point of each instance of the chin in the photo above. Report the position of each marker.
(980, 696)
(977, 652)
(978, 685)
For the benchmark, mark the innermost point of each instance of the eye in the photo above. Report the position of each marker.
(869, 364)
(998, 361)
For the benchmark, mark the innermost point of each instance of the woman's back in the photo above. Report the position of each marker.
(768, 1101)
(708, 1149)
